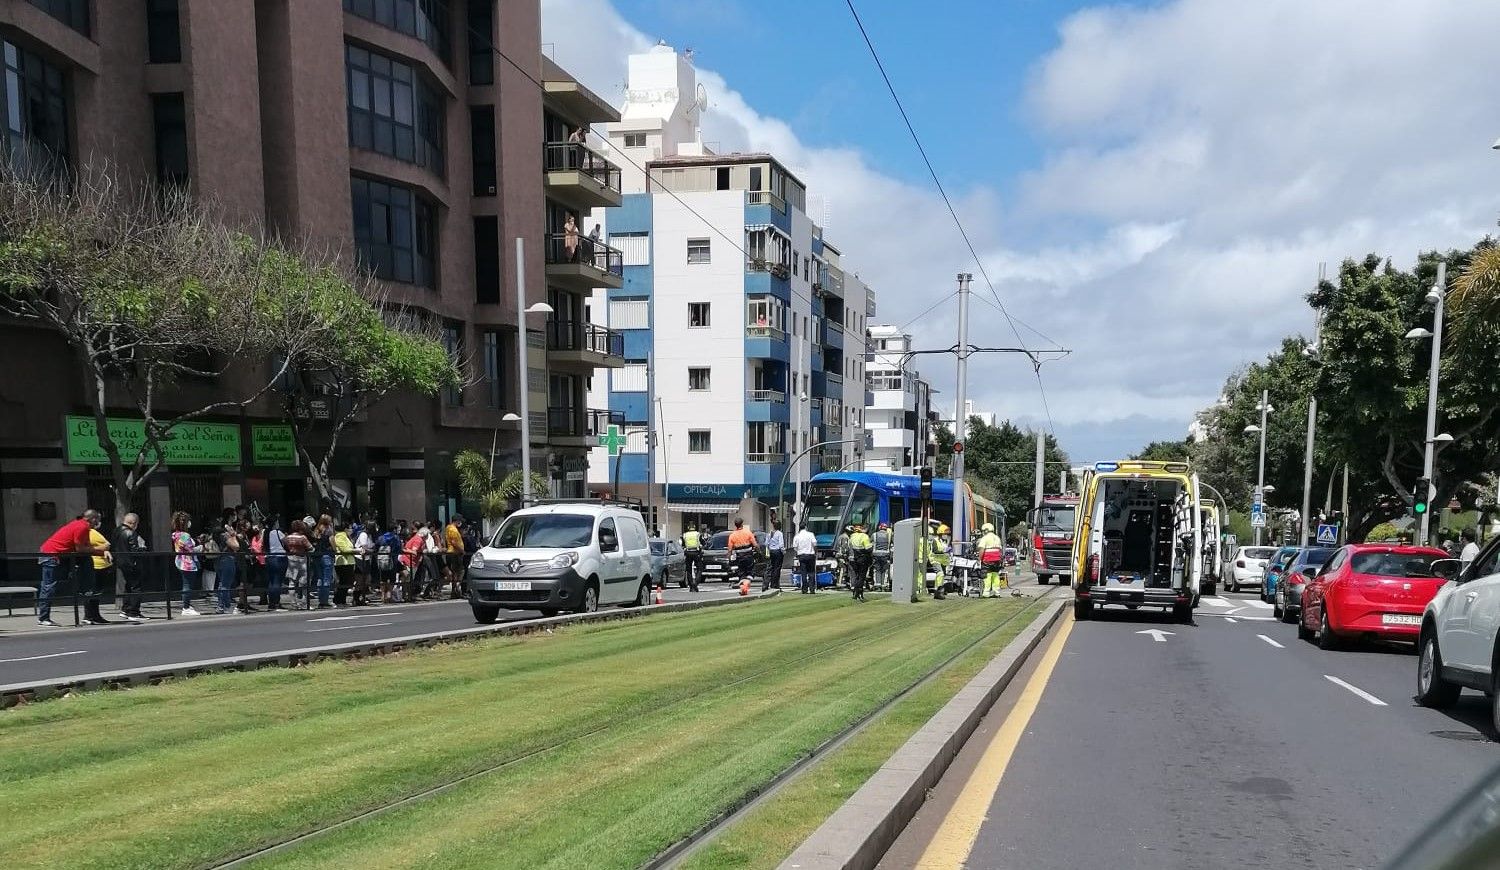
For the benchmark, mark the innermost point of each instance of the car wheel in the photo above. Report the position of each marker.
(1043, 579)
(1495, 711)
(1183, 613)
(1327, 640)
(1303, 632)
(1278, 611)
(643, 594)
(485, 615)
(590, 603)
(1082, 610)
(1432, 689)
(548, 611)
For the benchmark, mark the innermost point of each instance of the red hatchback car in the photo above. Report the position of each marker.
(1370, 590)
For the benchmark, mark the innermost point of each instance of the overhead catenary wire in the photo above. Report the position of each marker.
(953, 212)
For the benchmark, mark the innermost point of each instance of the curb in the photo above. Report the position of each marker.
(36, 690)
(858, 833)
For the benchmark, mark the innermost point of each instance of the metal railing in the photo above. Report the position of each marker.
(777, 270)
(757, 331)
(563, 249)
(765, 197)
(765, 458)
(578, 157)
(577, 335)
(766, 396)
(834, 378)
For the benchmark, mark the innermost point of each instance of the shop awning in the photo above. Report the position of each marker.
(703, 507)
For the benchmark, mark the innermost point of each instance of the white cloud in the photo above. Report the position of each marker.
(1204, 155)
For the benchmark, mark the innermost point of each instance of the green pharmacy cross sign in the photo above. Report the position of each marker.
(614, 440)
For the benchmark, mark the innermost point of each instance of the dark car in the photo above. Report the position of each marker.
(719, 565)
(1275, 568)
(1288, 595)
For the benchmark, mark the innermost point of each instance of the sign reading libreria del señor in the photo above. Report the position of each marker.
(186, 444)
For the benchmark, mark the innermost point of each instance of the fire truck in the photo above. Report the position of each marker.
(1052, 526)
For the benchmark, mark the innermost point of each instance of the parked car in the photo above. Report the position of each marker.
(1275, 568)
(667, 562)
(717, 563)
(1458, 645)
(551, 558)
(1370, 590)
(1011, 556)
(1248, 567)
(1287, 601)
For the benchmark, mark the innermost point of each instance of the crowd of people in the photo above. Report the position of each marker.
(318, 562)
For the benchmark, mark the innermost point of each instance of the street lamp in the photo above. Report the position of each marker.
(1260, 477)
(1434, 297)
(522, 309)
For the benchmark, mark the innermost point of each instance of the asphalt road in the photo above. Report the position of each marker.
(1226, 743)
(66, 652)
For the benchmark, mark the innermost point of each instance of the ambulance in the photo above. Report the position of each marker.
(1139, 539)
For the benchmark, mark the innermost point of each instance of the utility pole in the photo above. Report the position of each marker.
(1041, 468)
(803, 415)
(1312, 422)
(1344, 509)
(525, 382)
(1439, 290)
(1260, 474)
(651, 523)
(1062, 481)
(961, 421)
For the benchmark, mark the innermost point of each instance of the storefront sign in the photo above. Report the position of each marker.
(272, 445)
(710, 491)
(186, 444)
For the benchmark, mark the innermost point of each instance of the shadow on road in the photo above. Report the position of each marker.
(1142, 616)
(1473, 712)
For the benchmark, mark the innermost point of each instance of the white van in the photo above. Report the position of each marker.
(573, 556)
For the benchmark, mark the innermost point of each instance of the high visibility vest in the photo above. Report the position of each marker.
(691, 540)
(860, 541)
(882, 540)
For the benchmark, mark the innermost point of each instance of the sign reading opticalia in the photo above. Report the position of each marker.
(709, 491)
(272, 445)
(186, 444)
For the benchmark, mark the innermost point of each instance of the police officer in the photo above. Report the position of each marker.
(882, 538)
(692, 556)
(861, 554)
(841, 555)
(991, 557)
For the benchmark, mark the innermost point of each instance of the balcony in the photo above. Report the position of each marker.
(578, 176)
(777, 396)
(765, 342)
(581, 263)
(765, 197)
(764, 458)
(832, 334)
(578, 427)
(578, 345)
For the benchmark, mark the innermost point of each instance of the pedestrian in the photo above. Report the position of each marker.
(570, 238)
(255, 563)
(776, 548)
(861, 555)
(991, 557)
(100, 568)
(742, 550)
(692, 556)
(388, 563)
(364, 560)
(59, 559)
(273, 544)
(299, 549)
(453, 540)
(322, 560)
(841, 555)
(186, 561)
(1470, 550)
(416, 565)
(882, 566)
(343, 563)
(226, 567)
(806, 545)
(129, 545)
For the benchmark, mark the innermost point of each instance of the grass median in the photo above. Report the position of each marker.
(623, 737)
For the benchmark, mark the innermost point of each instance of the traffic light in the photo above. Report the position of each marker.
(1420, 495)
(926, 484)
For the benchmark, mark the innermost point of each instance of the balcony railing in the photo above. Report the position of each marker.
(766, 396)
(765, 197)
(579, 422)
(765, 458)
(563, 249)
(778, 270)
(578, 157)
(757, 331)
(589, 337)
(835, 378)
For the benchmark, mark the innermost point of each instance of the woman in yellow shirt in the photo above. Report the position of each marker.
(343, 563)
(90, 581)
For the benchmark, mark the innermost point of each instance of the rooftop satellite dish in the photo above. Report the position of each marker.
(700, 99)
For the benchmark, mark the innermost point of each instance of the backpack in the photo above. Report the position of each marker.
(385, 550)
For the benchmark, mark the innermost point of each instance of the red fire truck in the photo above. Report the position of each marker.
(1052, 524)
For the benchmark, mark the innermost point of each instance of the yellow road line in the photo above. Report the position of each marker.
(954, 839)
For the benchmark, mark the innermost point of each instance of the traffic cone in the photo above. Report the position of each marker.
(745, 586)
(659, 599)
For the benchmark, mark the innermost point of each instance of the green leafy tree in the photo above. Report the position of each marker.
(1002, 460)
(1166, 451)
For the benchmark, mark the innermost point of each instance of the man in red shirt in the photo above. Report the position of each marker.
(58, 558)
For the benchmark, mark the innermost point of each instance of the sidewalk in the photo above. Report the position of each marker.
(24, 620)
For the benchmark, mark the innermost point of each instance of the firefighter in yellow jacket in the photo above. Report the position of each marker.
(992, 557)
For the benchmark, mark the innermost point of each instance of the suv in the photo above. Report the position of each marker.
(1457, 644)
(562, 557)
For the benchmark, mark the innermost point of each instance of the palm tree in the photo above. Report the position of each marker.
(1475, 297)
(495, 497)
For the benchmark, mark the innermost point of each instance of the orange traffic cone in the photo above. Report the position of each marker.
(745, 586)
(658, 596)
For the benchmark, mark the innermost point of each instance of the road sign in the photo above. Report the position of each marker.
(1258, 515)
(1328, 534)
(613, 440)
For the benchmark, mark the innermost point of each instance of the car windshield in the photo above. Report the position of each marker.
(1257, 552)
(1314, 558)
(1055, 518)
(558, 531)
(720, 541)
(1394, 564)
(826, 501)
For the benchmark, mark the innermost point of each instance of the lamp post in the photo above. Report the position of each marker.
(1312, 353)
(525, 370)
(1260, 476)
(1435, 297)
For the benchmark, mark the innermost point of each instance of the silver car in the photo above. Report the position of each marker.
(667, 562)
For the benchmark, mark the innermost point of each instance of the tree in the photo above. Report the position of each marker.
(1002, 460)
(1166, 451)
(496, 497)
(152, 294)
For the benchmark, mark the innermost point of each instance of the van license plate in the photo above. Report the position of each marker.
(513, 586)
(1400, 619)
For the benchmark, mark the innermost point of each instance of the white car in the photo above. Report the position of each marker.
(1457, 646)
(1248, 567)
(573, 556)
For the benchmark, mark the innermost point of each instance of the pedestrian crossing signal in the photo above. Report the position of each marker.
(1421, 495)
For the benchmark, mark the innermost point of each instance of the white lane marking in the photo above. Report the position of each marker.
(1231, 620)
(1256, 602)
(347, 627)
(356, 616)
(1233, 612)
(76, 652)
(1269, 641)
(1157, 634)
(1355, 689)
(1218, 602)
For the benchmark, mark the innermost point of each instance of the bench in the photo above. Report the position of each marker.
(10, 593)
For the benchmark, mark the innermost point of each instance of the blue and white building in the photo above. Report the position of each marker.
(744, 336)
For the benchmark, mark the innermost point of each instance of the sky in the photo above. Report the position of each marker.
(1150, 186)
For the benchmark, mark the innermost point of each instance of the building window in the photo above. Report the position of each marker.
(635, 140)
(794, 262)
(392, 110)
(427, 20)
(634, 248)
(698, 314)
(700, 441)
(493, 369)
(487, 260)
(395, 231)
(482, 147)
(698, 379)
(722, 179)
(764, 315)
(74, 13)
(481, 33)
(697, 251)
(34, 104)
(169, 123)
(756, 177)
(163, 32)
(453, 343)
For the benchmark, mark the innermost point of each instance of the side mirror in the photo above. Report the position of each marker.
(1448, 569)
(1309, 572)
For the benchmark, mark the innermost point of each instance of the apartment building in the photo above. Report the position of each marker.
(899, 412)
(393, 129)
(743, 335)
